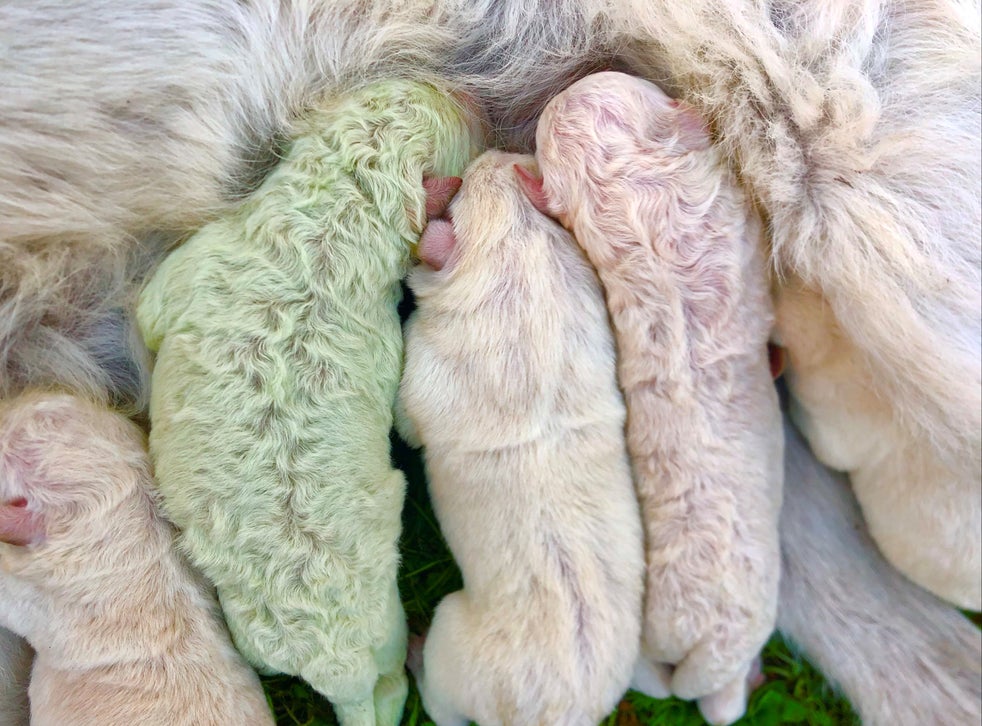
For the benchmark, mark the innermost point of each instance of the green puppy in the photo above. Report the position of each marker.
(279, 353)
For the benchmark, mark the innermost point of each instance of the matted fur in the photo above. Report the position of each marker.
(923, 504)
(680, 257)
(279, 353)
(901, 656)
(510, 387)
(125, 631)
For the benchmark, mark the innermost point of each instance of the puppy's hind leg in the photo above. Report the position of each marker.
(443, 677)
(356, 713)
(393, 685)
(652, 679)
(730, 702)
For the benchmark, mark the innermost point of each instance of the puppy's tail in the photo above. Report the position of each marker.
(899, 654)
(66, 322)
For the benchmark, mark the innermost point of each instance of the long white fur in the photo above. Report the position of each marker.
(855, 123)
(124, 630)
(15, 671)
(923, 504)
(902, 656)
(510, 387)
(679, 254)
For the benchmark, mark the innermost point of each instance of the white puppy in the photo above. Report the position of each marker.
(125, 632)
(510, 387)
(922, 502)
(634, 176)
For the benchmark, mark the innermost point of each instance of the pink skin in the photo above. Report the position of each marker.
(436, 243)
(439, 192)
(18, 525)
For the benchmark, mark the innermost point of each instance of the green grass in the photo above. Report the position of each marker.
(793, 694)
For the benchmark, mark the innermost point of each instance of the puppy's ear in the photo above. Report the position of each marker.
(439, 192)
(19, 525)
(532, 186)
(437, 243)
(693, 129)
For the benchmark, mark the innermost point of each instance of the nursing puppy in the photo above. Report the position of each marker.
(279, 353)
(922, 503)
(124, 630)
(15, 670)
(121, 119)
(510, 388)
(858, 128)
(901, 656)
(635, 178)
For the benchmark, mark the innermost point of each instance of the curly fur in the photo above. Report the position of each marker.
(278, 359)
(510, 387)
(923, 505)
(123, 119)
(669, 231)
(857, 127)
(124, 630)
(856, 124)
(901, 656)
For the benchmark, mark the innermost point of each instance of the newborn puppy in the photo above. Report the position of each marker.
(901, 656)
(125, 631)
(510, 387)
(279, 352)
(15, 668)
(923, 503)
(634, 176)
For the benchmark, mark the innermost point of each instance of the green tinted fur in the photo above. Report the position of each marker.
(279, 353)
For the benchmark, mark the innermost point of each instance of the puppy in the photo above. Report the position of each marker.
(857, 126)
(899, 654)
(923, 503)
(510, 388)
(125, 631)
(634, 176)
(278, 360)
(121, 120)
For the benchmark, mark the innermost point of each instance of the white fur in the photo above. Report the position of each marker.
(510, 387)
(680, 257)
(901, 656)
(857, 127)
(923, 503)
(125, 632)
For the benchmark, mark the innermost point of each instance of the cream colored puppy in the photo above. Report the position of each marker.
(510, 386)
(634, 176)
(125, 631)
(923, 503)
